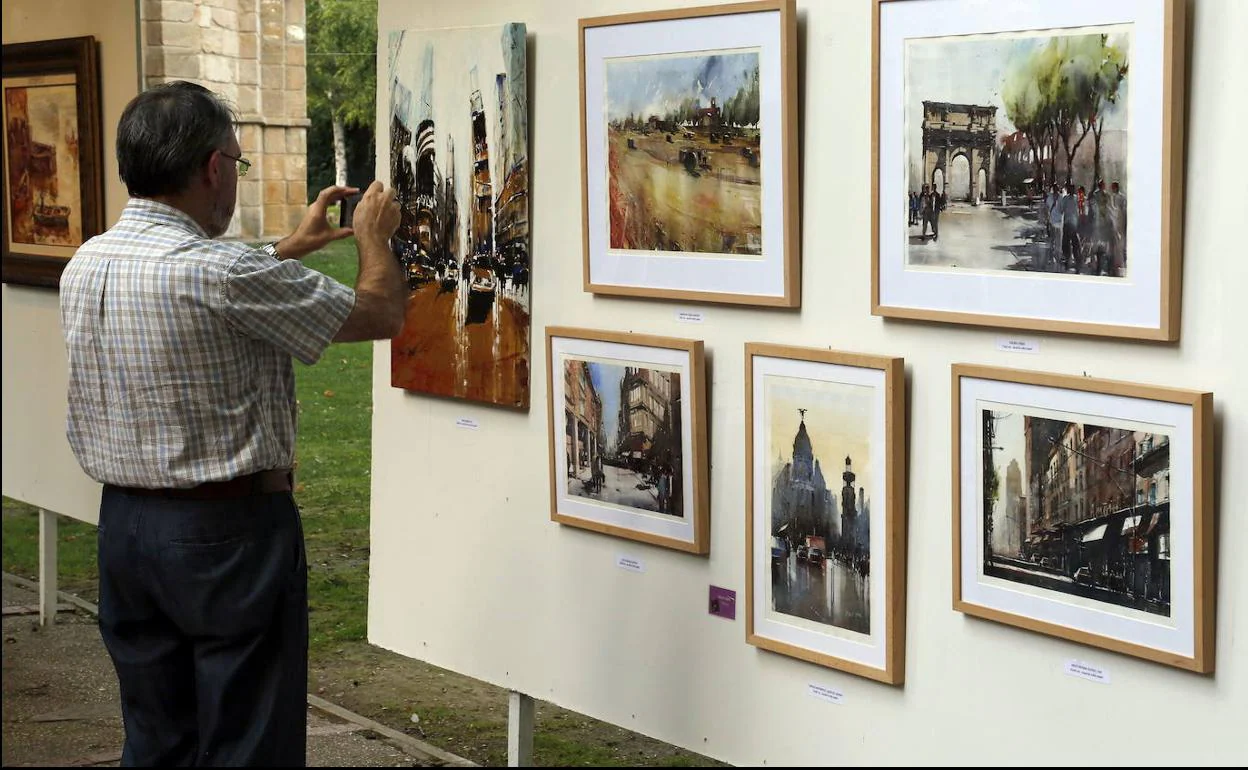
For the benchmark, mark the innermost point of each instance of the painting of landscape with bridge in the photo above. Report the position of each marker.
(684, 164)
(1017, 152)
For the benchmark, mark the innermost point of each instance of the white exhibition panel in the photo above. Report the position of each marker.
(39, 467)
(469, 573)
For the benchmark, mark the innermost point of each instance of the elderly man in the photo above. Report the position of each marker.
(182, 403)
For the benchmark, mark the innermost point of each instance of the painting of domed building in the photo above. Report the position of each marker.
(819, 523)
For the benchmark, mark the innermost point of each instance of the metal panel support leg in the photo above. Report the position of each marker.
(519, 730)
(47, 567)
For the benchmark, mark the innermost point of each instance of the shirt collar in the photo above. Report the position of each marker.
(151, 211)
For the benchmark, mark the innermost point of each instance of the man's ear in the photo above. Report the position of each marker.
(211, 170)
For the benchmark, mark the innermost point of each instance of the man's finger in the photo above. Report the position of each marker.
(335, 193)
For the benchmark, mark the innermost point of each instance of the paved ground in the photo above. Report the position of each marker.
(59, 715)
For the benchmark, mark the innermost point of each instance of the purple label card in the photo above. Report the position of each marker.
(723, 603)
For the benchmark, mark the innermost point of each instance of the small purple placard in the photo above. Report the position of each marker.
(723, 603)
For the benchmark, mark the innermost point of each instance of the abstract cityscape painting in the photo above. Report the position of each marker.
(1081, 510)
(459, 167)
(53, 187)
(689, 145)
(825, 512)
(628, 436)
(1027, 164)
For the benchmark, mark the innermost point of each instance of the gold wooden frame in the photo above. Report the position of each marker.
(790, 221)
(1171, 240)
(699, 516)
(1204, 573)
(894, 636)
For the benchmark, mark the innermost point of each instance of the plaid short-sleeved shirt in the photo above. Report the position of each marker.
(180, 350)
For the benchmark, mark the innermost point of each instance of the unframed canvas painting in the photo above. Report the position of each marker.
(1076, 507)
(683, 158)
(819, 464)
(1017, 149)
(41, 148)
(623, 438)
(459, 166)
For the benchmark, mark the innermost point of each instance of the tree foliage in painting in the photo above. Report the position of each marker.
(1058, 96)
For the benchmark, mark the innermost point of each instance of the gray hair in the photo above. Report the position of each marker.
(166, 133)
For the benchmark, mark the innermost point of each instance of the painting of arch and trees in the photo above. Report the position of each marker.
(1017, 152)
(683, 153)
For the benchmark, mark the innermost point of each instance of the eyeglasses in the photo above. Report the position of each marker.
(244, 165)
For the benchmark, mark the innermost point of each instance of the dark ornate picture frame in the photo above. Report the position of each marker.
(77, 56)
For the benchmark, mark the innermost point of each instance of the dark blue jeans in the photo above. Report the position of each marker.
(204, 610)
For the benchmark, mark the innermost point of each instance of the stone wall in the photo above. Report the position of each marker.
(253, 53)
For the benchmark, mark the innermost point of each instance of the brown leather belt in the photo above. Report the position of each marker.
(259, 483)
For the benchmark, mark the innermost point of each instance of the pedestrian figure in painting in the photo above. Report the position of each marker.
(597, 477)
(1102, 231)
(925, 211)
(1071, 257)
(664, 488)
(1053, 206)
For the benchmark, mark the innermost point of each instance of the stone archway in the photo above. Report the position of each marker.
(959, 182)
(938, 180)
(961, 130)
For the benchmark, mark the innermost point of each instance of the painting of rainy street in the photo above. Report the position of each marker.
(623, 435)
(459, 168)
(1081, 508)
(683, 160)
(1017, 152)
(819, 509)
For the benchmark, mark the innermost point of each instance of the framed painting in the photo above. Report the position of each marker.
(459, 165)
(825, 492)
(627, 418)
(689, 154)
(1083, 509)
(53, 157)
(1028, 164)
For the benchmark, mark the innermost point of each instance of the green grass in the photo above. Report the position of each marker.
(333, 454)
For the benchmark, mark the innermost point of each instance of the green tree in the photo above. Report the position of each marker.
(342, 70)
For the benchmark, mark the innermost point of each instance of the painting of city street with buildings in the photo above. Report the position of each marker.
(459, 168)
(818, 504)
(683, 153)
(623, 439)
(1075, 506)
(1017, 152)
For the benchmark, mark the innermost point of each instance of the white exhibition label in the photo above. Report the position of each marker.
(825, 693)
(1087, 671)
(1018, 344)
(690, 316)
(630, 563)
(467, 422)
